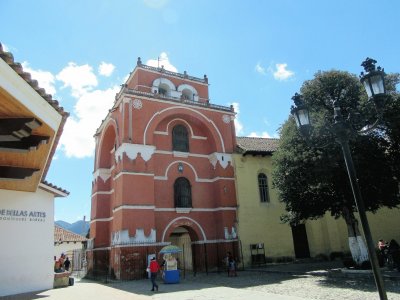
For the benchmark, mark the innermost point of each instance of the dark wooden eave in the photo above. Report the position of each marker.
(15, 129)
(257, 153)
(30, 127)
(16, 173)
(16, 134)
(26, 144)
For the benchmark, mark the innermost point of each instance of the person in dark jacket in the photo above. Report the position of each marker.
(394, 251)
(67, 263)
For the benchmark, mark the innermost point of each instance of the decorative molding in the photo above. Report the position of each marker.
(222, 158)
(189, 154)
(137, 104)
(197, 137)
(102, 220)
(190, 220)
(169, 209)
(103, 193)
(121, 207)
(205, 118)
(226, 119)
(131, 173)
(122, 237)
(199, 179)
(183, 210)
(144, 245)
(132, 150)
(180, 154)
(214, 241)
(126, 100)
(215, 179)
(230, 236)
(161, 132)
(104, 174)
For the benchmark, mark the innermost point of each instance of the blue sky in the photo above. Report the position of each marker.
(256, 55)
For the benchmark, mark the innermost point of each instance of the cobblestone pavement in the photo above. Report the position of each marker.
(283, 282)
(308, 286)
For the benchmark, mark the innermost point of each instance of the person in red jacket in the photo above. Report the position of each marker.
(154, 268)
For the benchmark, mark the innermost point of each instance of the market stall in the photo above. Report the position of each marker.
(170, 264)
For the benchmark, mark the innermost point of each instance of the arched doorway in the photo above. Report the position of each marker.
(183, 237)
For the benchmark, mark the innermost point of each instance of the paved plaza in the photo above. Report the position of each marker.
(282, 282)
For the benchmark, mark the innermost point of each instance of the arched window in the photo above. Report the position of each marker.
(263, 187)
(180, 140)
(182, 193)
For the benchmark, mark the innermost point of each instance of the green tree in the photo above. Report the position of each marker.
(310, 173)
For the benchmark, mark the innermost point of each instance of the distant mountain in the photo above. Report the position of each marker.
(80, 227)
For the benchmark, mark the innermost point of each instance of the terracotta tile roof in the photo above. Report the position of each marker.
(17, 67)
(55, 187)
(256, 146)
(63, 235)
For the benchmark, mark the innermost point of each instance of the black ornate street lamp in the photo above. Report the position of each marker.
(374, 83)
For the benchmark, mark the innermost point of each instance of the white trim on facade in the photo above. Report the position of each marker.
(132, 151)
(183, 218)
(160, 209)
(103, 193)
(161, 132)
(185, 108)
(188, 125)
(131, 173)
(108, 120)
(103, 173)
(126, 206)
(102, 220)
(143, 245)
(214, 241)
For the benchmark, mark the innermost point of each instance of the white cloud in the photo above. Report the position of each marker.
(45, 79)
(238, 124)
(260, 69)
(282, 73)
(162, 60)
(92, 107)
(106, 69)
(263, 134)
(80, 79)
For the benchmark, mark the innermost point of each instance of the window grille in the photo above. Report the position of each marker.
(182, 193)
(263, 187)
(180, 140)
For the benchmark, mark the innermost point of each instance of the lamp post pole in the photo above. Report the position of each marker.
(342, 137)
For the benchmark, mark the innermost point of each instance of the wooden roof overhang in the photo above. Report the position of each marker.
(30, 127)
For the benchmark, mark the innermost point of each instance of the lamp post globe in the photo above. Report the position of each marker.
(301, 114)
(374, 81)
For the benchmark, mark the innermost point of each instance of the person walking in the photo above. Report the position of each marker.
(232, 267)
(67, 263)
(154, 268)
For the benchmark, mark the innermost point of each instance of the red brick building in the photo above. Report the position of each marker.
(163, 173)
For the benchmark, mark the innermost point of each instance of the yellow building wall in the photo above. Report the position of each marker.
(260, 222)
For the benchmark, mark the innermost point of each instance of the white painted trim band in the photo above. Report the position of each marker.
(102, 220)
(103, 193)
(126, 206)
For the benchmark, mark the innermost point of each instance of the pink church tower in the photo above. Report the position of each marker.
(163, 175)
